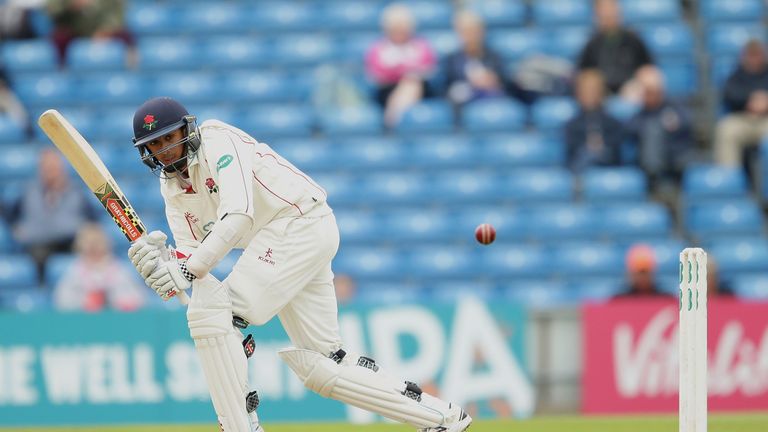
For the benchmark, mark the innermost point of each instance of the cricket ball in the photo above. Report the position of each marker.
(485, 233)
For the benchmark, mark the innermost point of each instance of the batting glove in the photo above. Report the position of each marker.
(170, 277)
(146, 252)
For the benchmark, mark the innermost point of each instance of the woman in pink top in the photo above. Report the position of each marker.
(399, 63)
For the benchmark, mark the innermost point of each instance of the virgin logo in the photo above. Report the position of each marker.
(646, 363)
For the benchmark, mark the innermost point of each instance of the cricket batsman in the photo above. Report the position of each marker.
(222, 190)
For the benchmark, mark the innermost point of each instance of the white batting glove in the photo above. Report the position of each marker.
(146, 252)
(170, 277)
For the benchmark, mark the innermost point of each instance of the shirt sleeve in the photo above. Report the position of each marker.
(229, 157)
(183, 238)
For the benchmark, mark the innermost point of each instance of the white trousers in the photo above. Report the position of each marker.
(286, 271)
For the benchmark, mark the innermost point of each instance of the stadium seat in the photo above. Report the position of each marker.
(500, 13)
(350, 14)
(364, 263)
(7, 244)
(669, 40)
(515, 261)
(614, 184)
(382, 189)
(443, 151)
(466, 187)
(639, 220)
(538, 294)
(25, 299)
(621, 108)
(724, 218)
(358, 227)
(434, 263)
(751, 286)
(10, 130)
(681, 77)
(45, 91)
(356, 120)
(494, 115)
(588, 260)
(281, 16)
(303, 50)
(731, 10)
(88, 55)
(711, 181)
(539, 184)
(515, 44)
(234, 52)
(651, 11)
(217, 18)
(667, 253)
(17, 271)
(28, 55)
(258, 87)
(729, 39)
(551, 113)
(453, 291)
(370, 154)
(562, 221)
(559, 12)
(739, 256)
(341, 189)
(596, 289)
(511, 224)
(307, 154)
(354, 47)
(521, 150)
(444, 42)
(427, 116)
(152, 19)
(224, 267)
(431, 13)
(169, 53)
(390, 292)
(566, 41)
(56, 266)
(116, 88)
(279, 120)
(721, 67)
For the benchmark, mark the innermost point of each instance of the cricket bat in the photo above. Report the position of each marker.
(96, 176)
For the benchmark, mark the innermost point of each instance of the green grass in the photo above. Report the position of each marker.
(717, 423)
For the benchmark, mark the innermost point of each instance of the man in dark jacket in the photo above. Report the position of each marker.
(746, 97)
(592, 136)
(615, 50)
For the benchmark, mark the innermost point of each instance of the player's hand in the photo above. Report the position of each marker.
(146, 252)
(170, 277)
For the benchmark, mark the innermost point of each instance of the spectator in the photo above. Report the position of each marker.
(97, 279)
(716, 285)
(399, 63)
(662, 131)
(592, 136)
(15, 19)
(47, 216)
(346, 288)
(613, 49)
(641, 273)
(475, 71)
(95, 19)
(746, 98)
(10, 104)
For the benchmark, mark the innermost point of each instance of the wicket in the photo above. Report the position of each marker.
(693, 340)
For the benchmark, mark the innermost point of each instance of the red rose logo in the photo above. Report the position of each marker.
(211, 185)
(149, 122)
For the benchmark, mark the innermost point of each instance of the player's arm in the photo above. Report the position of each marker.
(230, 160)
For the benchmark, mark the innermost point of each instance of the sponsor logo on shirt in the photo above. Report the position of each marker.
(223, 162)
(267, 257)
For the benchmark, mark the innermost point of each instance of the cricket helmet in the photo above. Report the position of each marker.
(158, 117)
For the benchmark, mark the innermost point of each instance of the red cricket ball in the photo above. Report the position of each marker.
(485, 233)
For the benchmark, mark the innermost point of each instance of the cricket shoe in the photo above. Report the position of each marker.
(457, 421)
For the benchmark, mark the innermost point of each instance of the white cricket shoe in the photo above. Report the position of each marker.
(456, 421)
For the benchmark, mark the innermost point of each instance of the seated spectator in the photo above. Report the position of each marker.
(346, 288)
(745, 96)
(593, 137)
(15, 19)
(95, 19)
(97, 280)
(399, 63)
(661, 130)
(641, 273)
(10, 104)
(613, 49)
(475, 71)
(47, 216)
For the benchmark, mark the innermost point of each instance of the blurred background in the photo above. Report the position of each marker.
(599, 138)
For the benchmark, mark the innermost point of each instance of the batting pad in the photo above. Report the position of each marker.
(364, 388)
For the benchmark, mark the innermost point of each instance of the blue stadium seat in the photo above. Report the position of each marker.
(595, 289)
(523, 150)
(81, 119)
(303, 50)
(190, 88)
(308, 154)
(566, 41)
(454, 291)
(712, 181)
(500, 13)
(614, 184)
(10, 130)
(510, 224)
(123, 161)
(17, 271)
(515, 44)
(357, 120)
(208, 111)
(224, 267)
(430, 263)
(257, 87)
(390, 292)
(216, 18)
(588, 259)
(559, 12)
(354, 47)
(279, 16)
(47, 90)
(739, 256)
(28, 55)
(563, 221)
(25, 299)
(427, 116)
(651, 11)
(234, 52)
(443, 151)
(551, 113)
(539, 184)
(431, 13)
(394, 189)
(639, 220)
(56, 266)
(350, 14)
(151, 19)
(621, 108)
(279, 120)
(117, 88)
(681, 77)
(731, 10)
(669, 40)
(359, 227)
(494, 115)
(370, 263)
(751, 286)
(370, 154)
(142, 192)
(169, 53)
(7, 244)
(341, 189)
(465, 187)
(730, 38)
(729, 217)
(515, 260)
(88, 55)
(539, 294)
(444, 42)
(721, 67)
(667, 253)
